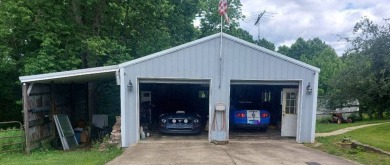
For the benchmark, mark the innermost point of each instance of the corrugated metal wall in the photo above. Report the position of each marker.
(201, 61)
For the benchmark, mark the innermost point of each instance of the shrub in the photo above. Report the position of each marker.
(324, 119)
(354, 117)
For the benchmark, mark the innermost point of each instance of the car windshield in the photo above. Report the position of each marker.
(245, 105)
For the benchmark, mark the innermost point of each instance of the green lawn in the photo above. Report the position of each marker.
(79, 156)
(11, 136)
(325, 127)
(42, 156)
(378, 136)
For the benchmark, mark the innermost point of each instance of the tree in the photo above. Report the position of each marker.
(315, 52)
(266, 44)
(283, 49)
(329, 63)
(367, 77)
(210, 22)
(49, 36)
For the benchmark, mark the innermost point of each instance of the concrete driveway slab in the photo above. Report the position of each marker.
(235, 153)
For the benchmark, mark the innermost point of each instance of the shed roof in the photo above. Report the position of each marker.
(75, 76)
(226, 36)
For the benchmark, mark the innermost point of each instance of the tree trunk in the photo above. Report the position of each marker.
(76, 12)
(380, 113)
(360, 112)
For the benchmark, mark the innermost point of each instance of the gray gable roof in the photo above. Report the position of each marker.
(217, 35)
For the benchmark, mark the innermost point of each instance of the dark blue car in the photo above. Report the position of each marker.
(180, 123)
(247, 115)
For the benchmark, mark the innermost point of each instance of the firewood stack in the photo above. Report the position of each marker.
(115, 137)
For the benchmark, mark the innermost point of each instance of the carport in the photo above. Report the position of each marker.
(73, 93)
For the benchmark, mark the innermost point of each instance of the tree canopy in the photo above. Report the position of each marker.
(366, 75)
(317, 53)
(49, 36)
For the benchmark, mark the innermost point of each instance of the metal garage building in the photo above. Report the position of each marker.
(203, 65)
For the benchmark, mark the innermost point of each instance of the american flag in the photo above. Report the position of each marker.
(222, 8)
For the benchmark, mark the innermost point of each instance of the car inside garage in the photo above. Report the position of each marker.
(160, 103)
(256, 109)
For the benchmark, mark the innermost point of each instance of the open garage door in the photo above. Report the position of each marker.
(256, 108)
(172, 107)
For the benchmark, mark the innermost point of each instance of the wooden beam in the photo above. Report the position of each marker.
(29, 89)
(53, 110)
(25, 116)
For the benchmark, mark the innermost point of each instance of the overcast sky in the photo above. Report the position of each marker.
(286, 20)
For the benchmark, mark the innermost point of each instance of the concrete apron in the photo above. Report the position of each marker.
(237, 135)
(263, 151)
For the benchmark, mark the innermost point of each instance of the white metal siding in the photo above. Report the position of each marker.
(201, 61)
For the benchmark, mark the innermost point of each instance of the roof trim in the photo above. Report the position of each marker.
(270, 52)
(72, 73)
(168, 51)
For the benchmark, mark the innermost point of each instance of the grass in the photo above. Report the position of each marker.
(74, 157)
(10, 136)
(377, 136)
(329, 127)
(47, 155)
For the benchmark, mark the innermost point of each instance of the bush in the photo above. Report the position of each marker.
(324, 119)
(354, 117)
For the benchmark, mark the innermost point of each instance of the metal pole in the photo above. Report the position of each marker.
(220, 57)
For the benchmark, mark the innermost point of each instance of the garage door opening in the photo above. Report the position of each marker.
(258, 109)
(174, 109)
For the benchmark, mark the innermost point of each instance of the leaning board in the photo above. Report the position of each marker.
(65, 131)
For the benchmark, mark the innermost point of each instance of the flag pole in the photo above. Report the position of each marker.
(220, 56)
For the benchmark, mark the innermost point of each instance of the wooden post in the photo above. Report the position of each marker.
(25, 114)
(53, 110)
(91, 99)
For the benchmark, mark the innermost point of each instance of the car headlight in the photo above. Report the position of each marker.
(174, 121)
(196, 121)
(163, 120)
(185, 121)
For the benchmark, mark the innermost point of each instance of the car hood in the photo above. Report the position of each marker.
(179, 115)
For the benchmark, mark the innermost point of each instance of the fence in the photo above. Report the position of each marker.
(11, 138)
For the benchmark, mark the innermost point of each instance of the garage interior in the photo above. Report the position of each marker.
(262, 96)
(156, 99)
